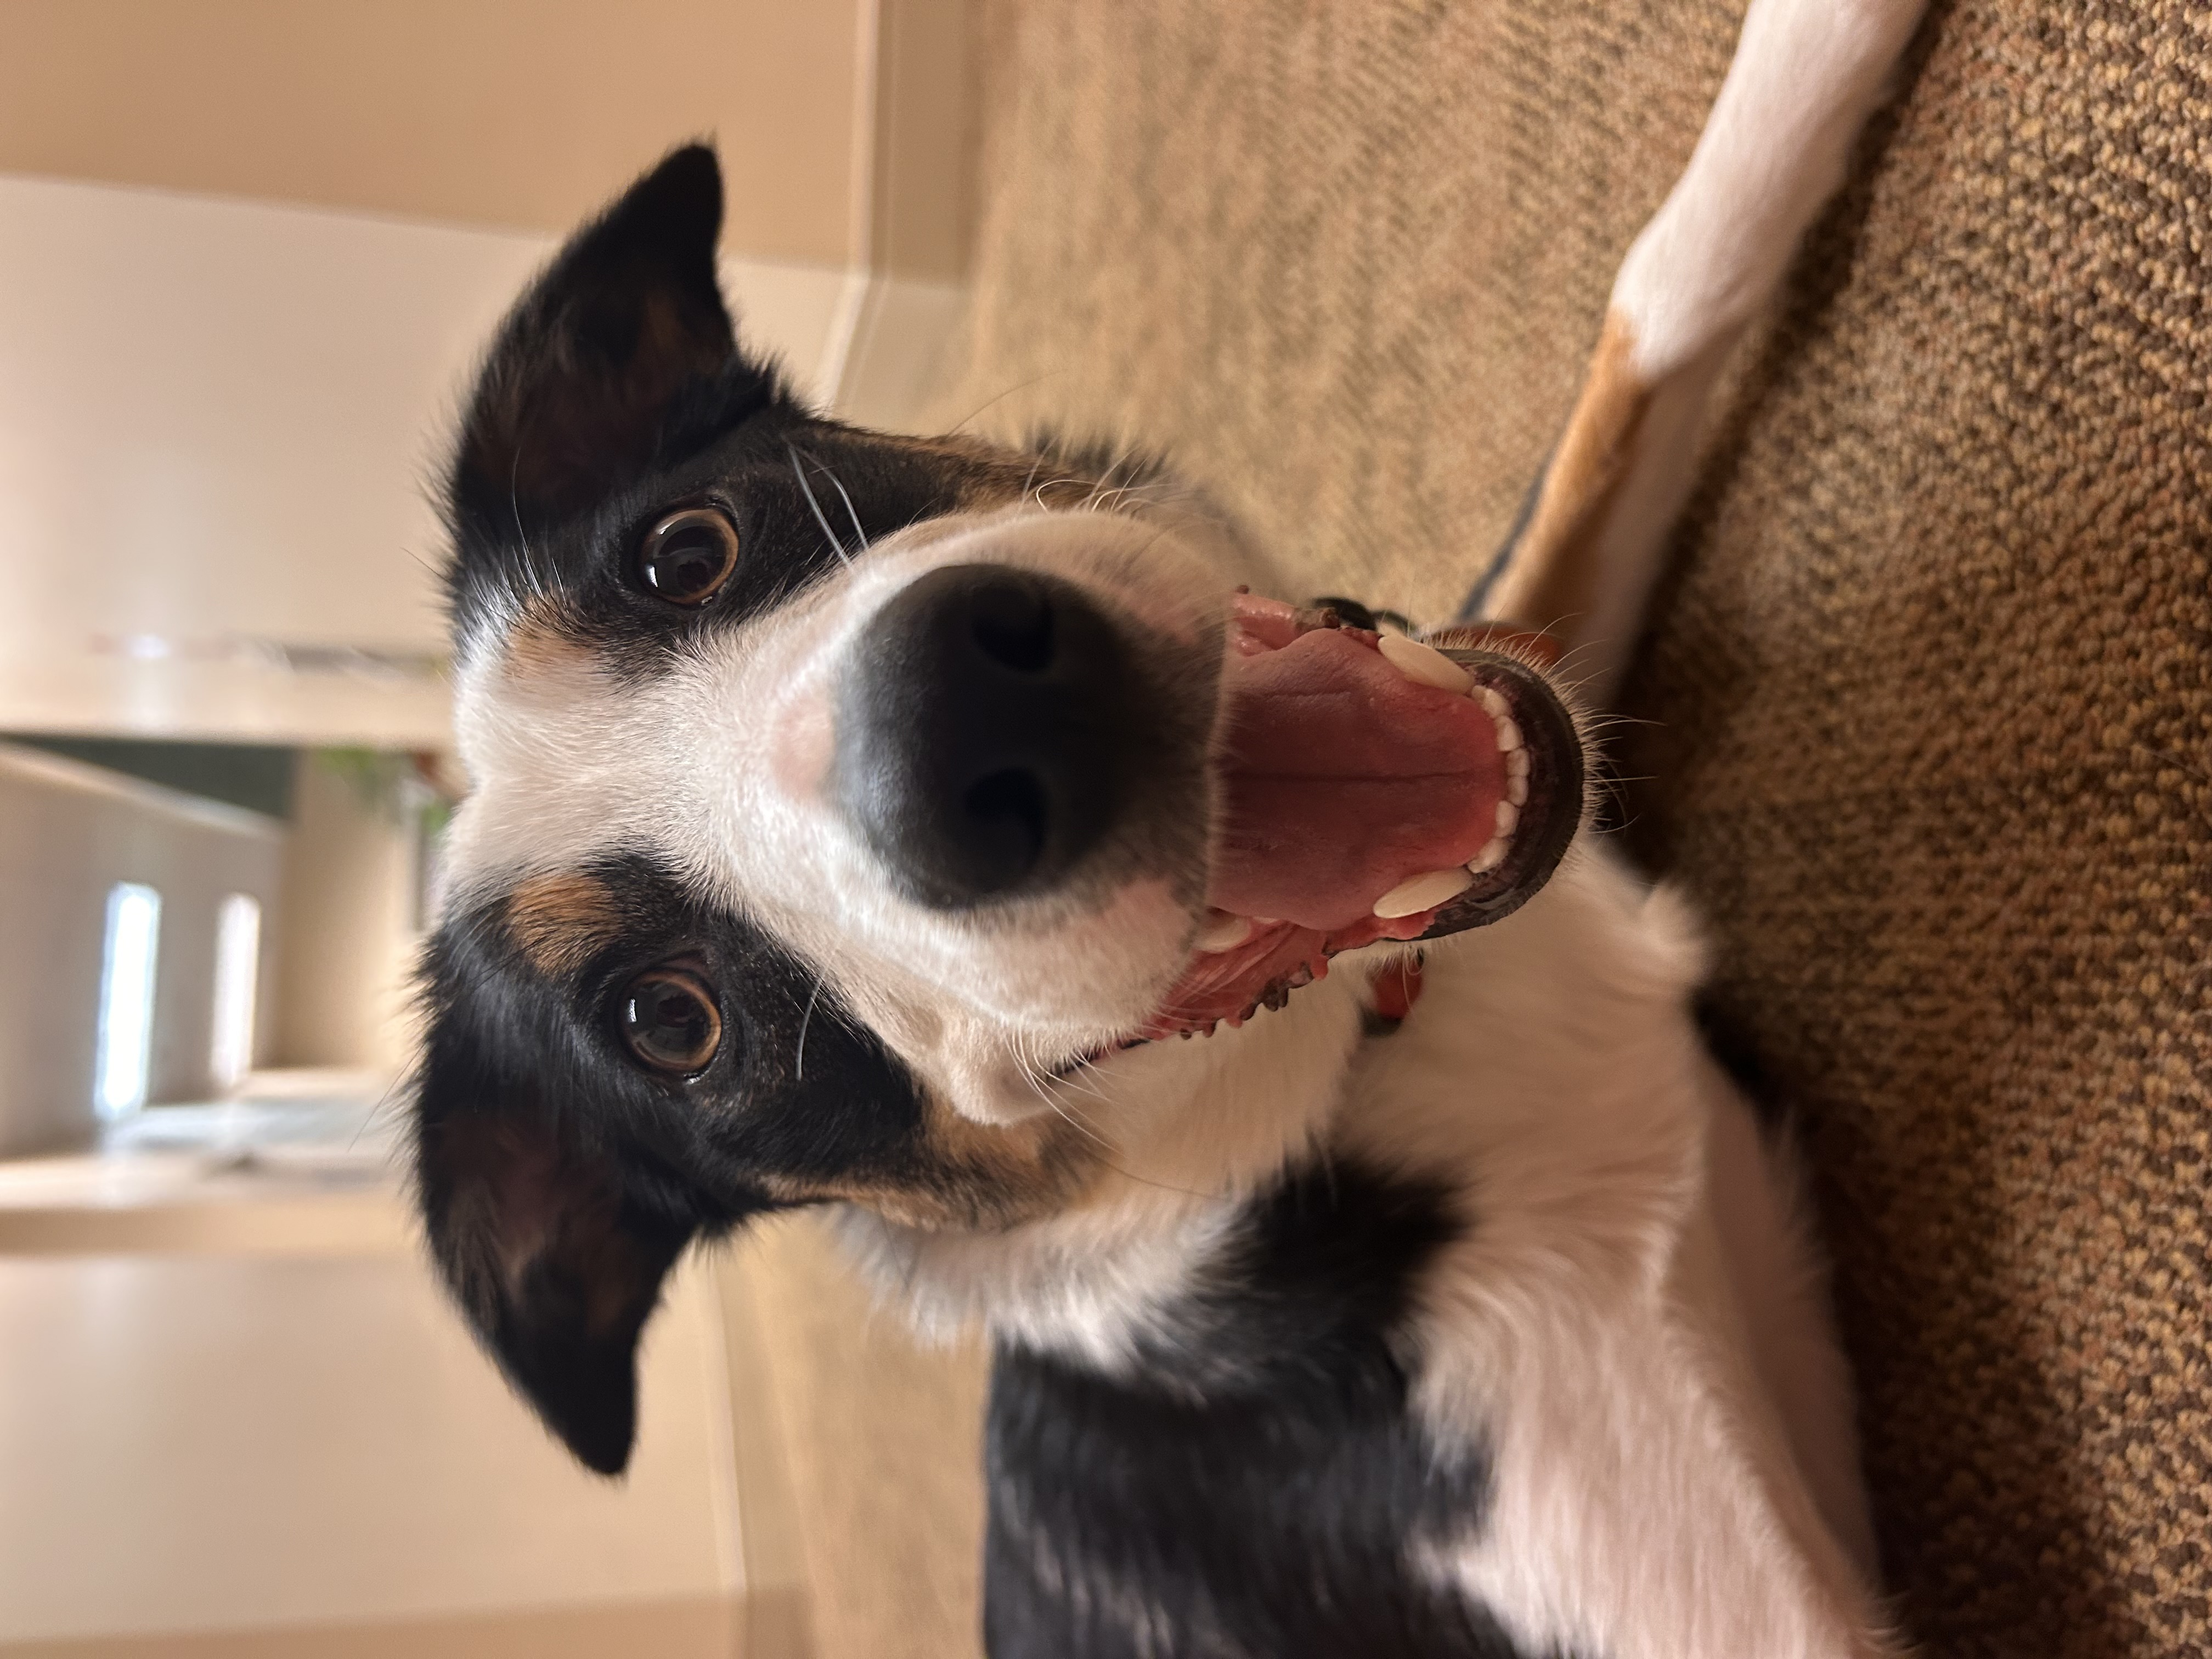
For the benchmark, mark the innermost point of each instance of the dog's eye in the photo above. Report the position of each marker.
(687, 556)
(669, 1019)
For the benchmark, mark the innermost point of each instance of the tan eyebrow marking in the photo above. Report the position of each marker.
(559, 921)
(542, 641)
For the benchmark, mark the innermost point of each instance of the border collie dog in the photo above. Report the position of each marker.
(988, 845)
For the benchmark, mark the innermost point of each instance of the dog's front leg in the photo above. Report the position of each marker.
(1806, 74)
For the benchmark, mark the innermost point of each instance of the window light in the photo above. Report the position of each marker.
(237, 975)
(126, 998)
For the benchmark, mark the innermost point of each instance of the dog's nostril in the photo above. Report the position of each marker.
(985, 732)
(1008, 809)
(1013, 625)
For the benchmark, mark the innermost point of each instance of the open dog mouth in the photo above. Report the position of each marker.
(1372, 787)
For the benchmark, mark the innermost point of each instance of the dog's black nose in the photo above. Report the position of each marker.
(983, 731)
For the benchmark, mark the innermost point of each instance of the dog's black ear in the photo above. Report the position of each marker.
(621, 357)
(558, 1258)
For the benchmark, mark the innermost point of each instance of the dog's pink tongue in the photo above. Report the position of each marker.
(1343, 778)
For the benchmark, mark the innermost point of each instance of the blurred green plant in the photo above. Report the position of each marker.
(395, 785)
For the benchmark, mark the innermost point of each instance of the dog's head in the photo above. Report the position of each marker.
(837, 796)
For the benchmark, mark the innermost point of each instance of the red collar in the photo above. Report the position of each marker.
(1397, 989)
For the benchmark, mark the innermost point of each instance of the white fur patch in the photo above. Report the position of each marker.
(1805, 76)
(1587, 1333)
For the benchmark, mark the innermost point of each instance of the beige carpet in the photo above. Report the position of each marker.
(881, 1475)
(1933, 739)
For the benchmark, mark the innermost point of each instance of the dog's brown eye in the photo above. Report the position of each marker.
(670, 1021)
(687, 556)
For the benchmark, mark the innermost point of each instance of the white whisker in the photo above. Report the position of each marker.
(837, 484)
(820, 517)
(806, 1020)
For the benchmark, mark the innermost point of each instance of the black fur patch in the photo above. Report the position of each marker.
(559, 1180)
(616, 392)
(1253, 1486)
(1735, 1051)
(805, 495)
(620, 361)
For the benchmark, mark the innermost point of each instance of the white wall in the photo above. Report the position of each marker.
(67, 834)
(219, 421)
(205, 1455)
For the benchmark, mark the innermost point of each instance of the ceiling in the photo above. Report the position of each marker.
(519, 114)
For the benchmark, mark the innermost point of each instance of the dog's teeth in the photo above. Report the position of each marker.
(1490, 856)
(1499, 708)
(1516, 764)
(1424, 664)
(1509, 817)
(1424, 892)
(1509, 735)
(1224, 932)
(1517, 789)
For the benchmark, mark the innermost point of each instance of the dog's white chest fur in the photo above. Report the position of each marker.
(1629, 1329)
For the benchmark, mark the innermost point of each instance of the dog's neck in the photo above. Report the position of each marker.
(1181, 1167)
